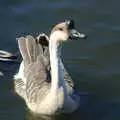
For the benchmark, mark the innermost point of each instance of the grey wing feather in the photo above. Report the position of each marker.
(32, 55)
(23, 48)
(31, 48)
(34, 70)
(28, 49)
(20, 87)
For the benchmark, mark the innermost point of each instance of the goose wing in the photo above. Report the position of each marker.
(34, 69)
(42, 41)
(32, 55)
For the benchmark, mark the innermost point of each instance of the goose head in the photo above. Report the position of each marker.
(65, 31)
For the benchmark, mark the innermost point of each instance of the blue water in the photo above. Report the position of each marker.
(94, 64)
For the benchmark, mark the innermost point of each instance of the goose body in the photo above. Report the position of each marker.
(20, 79)
(44, 96)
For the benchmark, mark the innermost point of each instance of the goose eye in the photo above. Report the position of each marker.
(60, 29)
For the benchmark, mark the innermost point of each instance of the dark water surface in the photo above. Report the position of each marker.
(94, 64)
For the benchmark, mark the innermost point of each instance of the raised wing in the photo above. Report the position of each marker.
(33, 58)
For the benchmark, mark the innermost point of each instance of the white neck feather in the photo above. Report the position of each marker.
(57, 74)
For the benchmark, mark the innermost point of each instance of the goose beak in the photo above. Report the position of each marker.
(74, 34)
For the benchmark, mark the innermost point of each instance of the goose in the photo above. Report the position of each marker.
(6, 56)
(19, 78)
(42, 96)
(6, 59)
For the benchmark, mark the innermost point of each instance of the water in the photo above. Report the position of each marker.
(93, 63)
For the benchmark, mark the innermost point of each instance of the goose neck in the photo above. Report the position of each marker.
(56, 73)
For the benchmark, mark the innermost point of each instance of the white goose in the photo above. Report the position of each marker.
(41, 96)
(19, 78)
